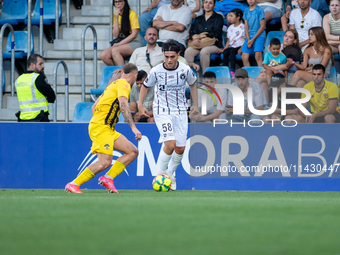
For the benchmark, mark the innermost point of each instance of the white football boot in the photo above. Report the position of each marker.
(173, 182)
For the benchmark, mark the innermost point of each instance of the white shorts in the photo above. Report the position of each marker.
(172, 127)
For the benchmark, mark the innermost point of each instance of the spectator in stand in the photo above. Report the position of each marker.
(318, 5)
(213, 111)
(235, 39)
(302, 20)
(293, 53)
(291, 5)
(324, 99)
(278, 81)
(125, 30)
(209, 25)
(195, 7)
(33, 91)
(272, 59)
(317, 52)
(147, 103)
(272, 8)
(255, 32)
(146, 17)
(258, 100)
(331, 25)
(148, 56)
(173, 22)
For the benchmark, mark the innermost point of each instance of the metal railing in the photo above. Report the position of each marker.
(83, 59)
(55, 106)
(67, 13)
(56, 19)
(29, 27)
(111, 20)
(41, 27)
(2, 31)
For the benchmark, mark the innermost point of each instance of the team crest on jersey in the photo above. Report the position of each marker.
(325, 96)
(106, 146)
(182, 76)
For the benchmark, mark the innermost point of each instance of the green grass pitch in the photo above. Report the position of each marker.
(182, 222)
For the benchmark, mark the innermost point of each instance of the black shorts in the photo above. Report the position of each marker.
(322, 118)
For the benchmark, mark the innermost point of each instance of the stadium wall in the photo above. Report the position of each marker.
(48, 155)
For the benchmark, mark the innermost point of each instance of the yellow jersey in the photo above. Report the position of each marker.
(107, 110)
(133, 17)
(319, 100)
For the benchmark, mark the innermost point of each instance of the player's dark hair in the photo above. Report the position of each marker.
(319, 67)
(209, 74)
(238, 13)
(33, 59)
(275, 41)
(128, 68)
(141, 75)
(125, 25)
(171, 45)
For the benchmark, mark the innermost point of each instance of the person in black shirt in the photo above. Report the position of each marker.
(208, 25)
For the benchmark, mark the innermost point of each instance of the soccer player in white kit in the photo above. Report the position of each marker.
(170, 107)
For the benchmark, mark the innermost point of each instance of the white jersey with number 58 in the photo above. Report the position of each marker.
(170, 88)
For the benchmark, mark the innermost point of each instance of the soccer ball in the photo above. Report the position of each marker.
(161, 183)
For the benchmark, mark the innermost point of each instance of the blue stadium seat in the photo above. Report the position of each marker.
(142, 34)
(334, 75)
(49, 12)
(13, 12)
(82, 112)
(253, 71)
(222, 73)
(270, 36)
(104, 79)
(20, 45)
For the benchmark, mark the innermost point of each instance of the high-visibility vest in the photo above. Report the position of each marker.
(31, 101)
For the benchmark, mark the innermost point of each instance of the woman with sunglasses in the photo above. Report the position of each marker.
(317, 52)
(126, 31)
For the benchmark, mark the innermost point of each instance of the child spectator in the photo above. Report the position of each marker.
(272, 58)
(235, 39)
(255, 25)
(195, 7)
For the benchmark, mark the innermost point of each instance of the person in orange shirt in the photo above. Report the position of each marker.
(104, 136)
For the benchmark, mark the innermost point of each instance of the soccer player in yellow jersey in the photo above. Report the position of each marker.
(324, 99)
(104, 136)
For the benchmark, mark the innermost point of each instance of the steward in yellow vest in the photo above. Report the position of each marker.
(33, 91)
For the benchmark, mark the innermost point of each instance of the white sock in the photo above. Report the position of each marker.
(163, 161)
(73, 183)
(174, 163)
